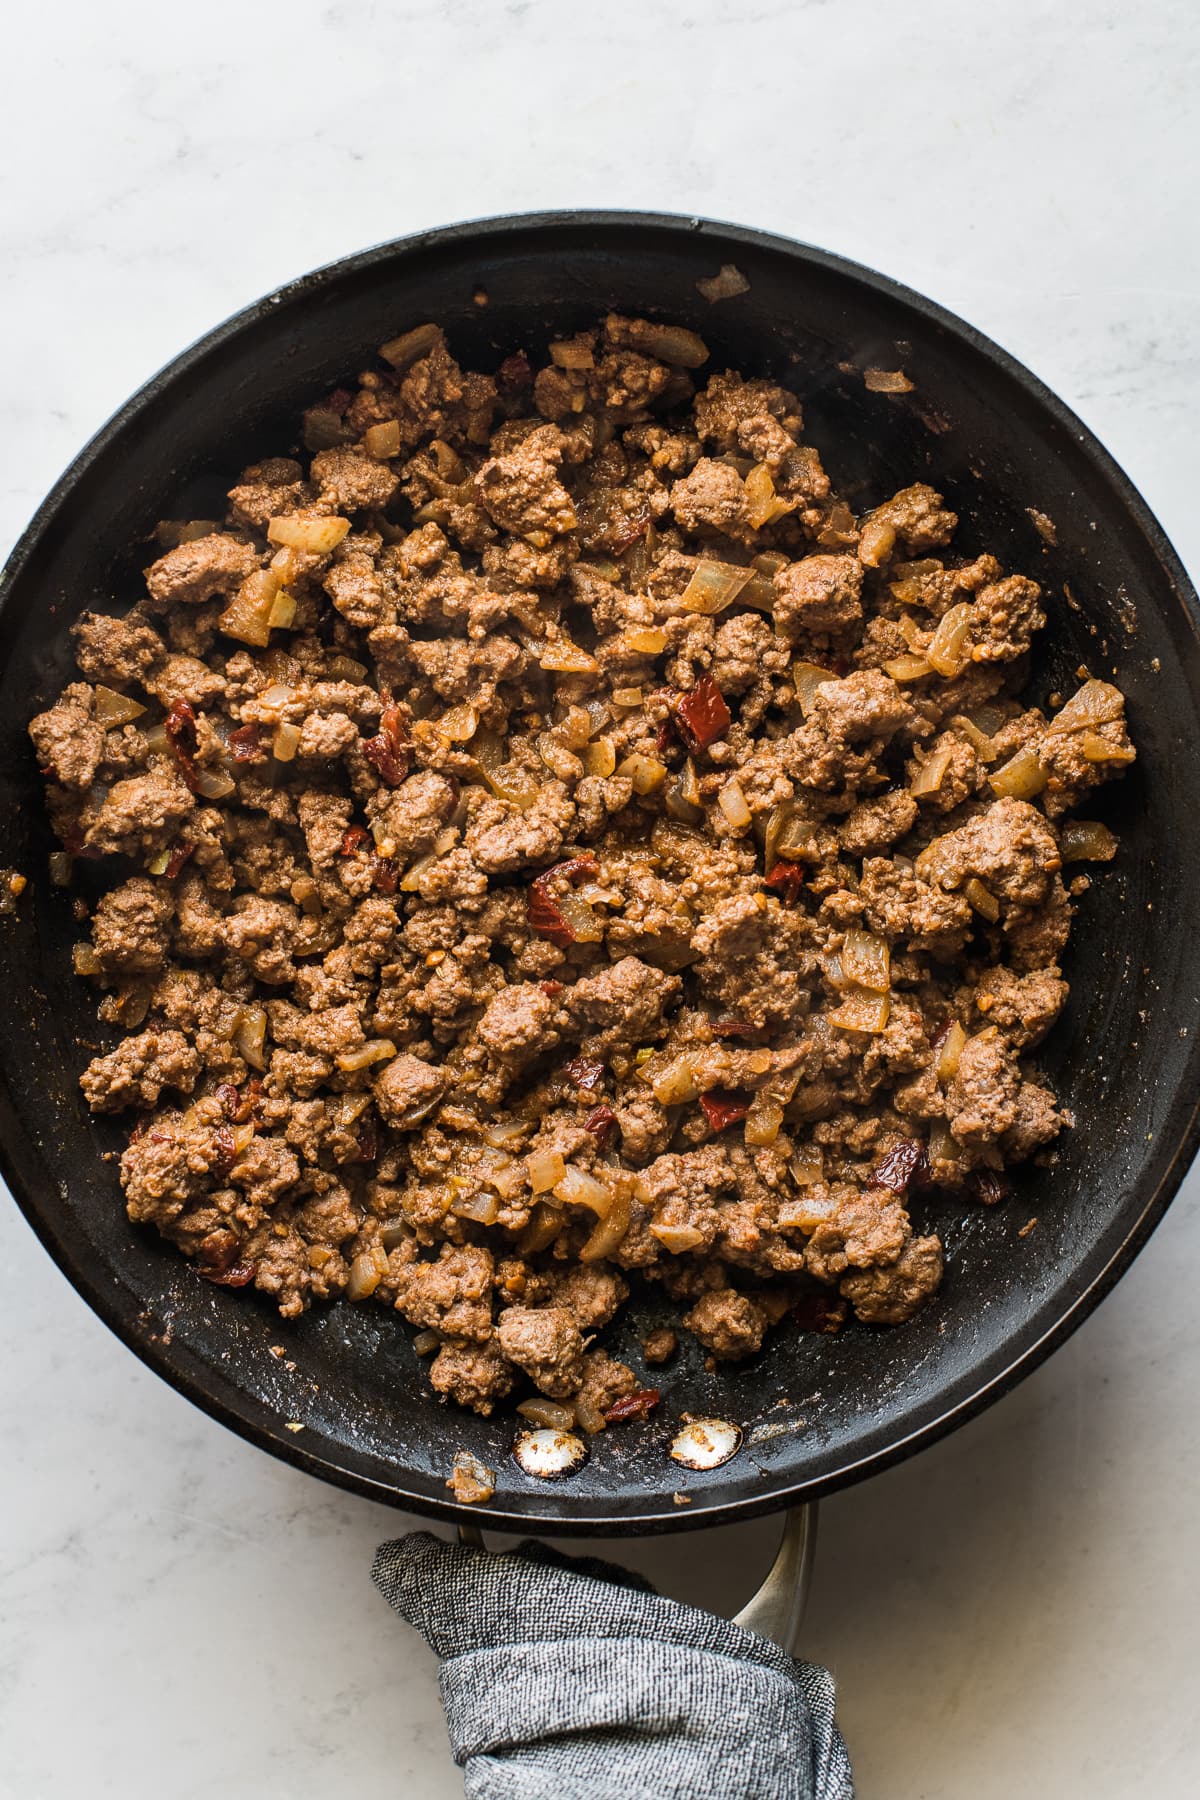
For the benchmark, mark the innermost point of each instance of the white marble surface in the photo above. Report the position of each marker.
(1019, 1610)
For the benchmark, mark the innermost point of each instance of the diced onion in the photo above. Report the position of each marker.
(866, 961)
(158, 863)
(727, 284)
(732, 802)
(713, 587)
(61, 865)
(1021, 778)
(979, 740)
(345, 668)
(609, 1230)
(951, 1049)
(410, 346)
(862, 1011)
(763, 1121)
(984, 902)
(214, 784)
(373, 1051)
(627, 697)
(546, 1170)
(807, 1166)
(932, 772)
(426, 1342)
(577, 1188)
(807, 677)
(808, 1211)
(947, 651)
(647, 640)
(248, 615)
(564, 658)
(250, 1035)
(677, 1239)
(551, 1415)
(382, 441)
(84, 960)
(110, 708)
(1099, 750)
(1095, 703)
(646, 772)
(600, 758)
(282, 615)
(673, 344)
(365, 1275)
(286, 742)
(481, 1209)
(763, 504)
(876, 543)
(907, 668)
(316, 533)
(1086, 840)
(674, 1082)
(459, 724)
(410, 881)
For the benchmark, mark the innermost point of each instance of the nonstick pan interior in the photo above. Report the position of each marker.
(819, 1411)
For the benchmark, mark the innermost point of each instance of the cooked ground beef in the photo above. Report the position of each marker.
(554, 844)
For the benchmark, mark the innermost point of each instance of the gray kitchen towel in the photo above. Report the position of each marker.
(566, 1677)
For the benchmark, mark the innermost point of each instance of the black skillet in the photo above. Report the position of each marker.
(820, 1412)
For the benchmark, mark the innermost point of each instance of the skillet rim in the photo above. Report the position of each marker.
(1122, 494)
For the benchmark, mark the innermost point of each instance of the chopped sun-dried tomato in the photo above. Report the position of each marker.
(733, 1028)
(666, 736)
(544, 914)
(514, 373)
(786, 879)
(990, 1186)
(368, 1142)
(177, 858)
(390, 750)
(551, 989)
(820, 1312)
(226, 1149)
(721, 1108)
(585, 1073)
(240, 1276)
(354, 838)
(246, 744)
(701, 714)
(180, 727)
(384, 874)
(601, 1123)
(229, 1097)
(628, 531)
(907, 1164)
(638, 1405)
(216, 1259)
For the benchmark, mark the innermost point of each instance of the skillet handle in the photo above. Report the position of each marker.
(776, 1611)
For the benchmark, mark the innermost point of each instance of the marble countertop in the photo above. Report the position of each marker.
(1018, 1611)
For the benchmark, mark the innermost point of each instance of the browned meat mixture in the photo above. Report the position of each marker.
(555, 842)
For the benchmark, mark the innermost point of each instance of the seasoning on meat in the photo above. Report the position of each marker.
(559, 847)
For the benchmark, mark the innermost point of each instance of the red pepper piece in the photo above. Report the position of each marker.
(390, 750)
(733, 1028)
(246, 744)
(354, 839)
(585, 1073)
(241, 1275)
(907, 1163)
(178, 857)
(721, 1108)
(701, 715)
(638, 1405)
(514, 373)
(601, 1123)
(384, 874)
(551, 989)
(180, 727)
(786, 879)
(544, 914)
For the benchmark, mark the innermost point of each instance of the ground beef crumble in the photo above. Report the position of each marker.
(554, 846)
